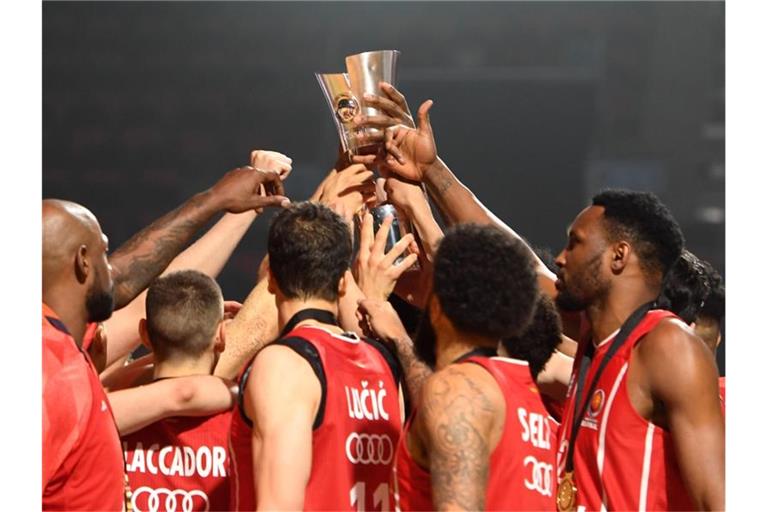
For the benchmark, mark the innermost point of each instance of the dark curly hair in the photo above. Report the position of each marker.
(485, 280)
(686, 287)
(538, 342)
(643, 220)
(693, 288)
(714, 304)
(309, 248)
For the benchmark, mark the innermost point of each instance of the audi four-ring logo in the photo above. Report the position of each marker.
(369, 448)
(171, 499)
(541, 476)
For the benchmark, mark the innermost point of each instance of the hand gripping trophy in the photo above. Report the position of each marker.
(343, 92)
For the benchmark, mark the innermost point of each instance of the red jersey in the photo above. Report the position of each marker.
(621, 460)
(82, 462)
(554, 407)
(521, 472)
(721, 383)
(355, 434)
(180, 464)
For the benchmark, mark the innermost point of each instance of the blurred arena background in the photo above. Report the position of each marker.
(537, 105)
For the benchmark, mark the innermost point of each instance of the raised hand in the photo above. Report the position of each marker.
(406, 195)
(392, 104)
(231, 309)
(394, 112)
(265, 160)
(411, 151)
(247, 188)
(348, 190)
(376, 271)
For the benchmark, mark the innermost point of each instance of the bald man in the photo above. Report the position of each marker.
(83, 465)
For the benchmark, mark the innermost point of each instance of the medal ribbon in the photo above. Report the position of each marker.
(586, 360)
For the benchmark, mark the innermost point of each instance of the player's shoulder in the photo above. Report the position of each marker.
(277, 359)
(669, 336)
(671, 345)
(459, 382)
(67, 394)
(279, 366)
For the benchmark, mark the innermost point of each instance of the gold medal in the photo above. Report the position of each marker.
(566, 493)
(128, 496)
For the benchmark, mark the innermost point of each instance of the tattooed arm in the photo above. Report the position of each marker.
(253, 327)
(412, 154)
(460, 423)
(147, 253)
(386, 325)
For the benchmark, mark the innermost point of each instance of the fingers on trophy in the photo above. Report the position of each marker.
(355, 97)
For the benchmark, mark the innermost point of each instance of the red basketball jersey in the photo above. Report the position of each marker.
(82, 461)
(721, 383)
(521, 474)
(180, 463)
(621, 460)
(354, 446)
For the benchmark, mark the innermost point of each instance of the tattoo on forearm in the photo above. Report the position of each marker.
(416, 372)
(440, 182)
(459, 451)
(149, 251)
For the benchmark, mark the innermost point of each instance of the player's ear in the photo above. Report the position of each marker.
(220, 343)
(271, 283)
(82, 265)
(144, 334)
(343, 284)
(620, 252)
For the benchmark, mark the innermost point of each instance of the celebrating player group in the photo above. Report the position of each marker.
(452, 367)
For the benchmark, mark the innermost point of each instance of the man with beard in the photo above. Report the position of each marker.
(660, 386)
(480, 437)
(642, 425)
(82, 460)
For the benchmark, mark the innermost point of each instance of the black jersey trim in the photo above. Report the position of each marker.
(308, 351)
(58, 324)
(389, 357)
(241, 394)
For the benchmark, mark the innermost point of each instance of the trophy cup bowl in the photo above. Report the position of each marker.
(343, 104)
(344, 92)
(366, 70)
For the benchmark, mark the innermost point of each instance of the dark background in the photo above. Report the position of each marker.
(537, 105)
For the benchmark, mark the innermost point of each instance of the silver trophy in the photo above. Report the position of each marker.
(401, 226)
(344, 106)
(344, 94)
(366, 70)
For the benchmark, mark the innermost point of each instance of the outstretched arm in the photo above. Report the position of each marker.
(682, 375)
(412, 154)
(282, 410)
(147, 253)
(410, 197)
(208, 255)
(198, 395)
(386, 325)
(254, 326)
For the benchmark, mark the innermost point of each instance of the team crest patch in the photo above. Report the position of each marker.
(596, 404)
